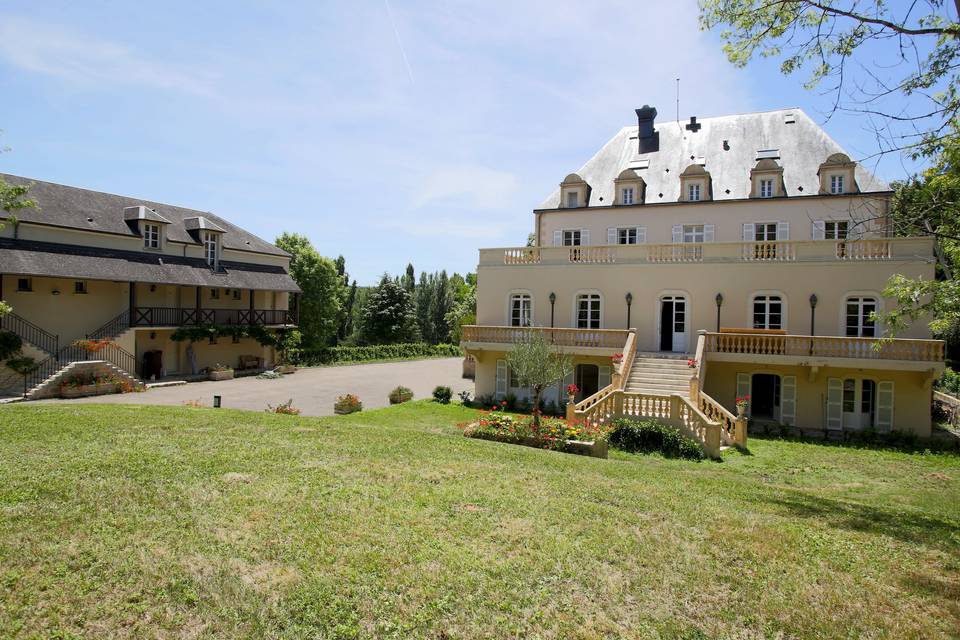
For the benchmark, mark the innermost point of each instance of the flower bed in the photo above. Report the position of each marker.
(220, 372)
(348, 403)
(81, 385)
(573, 436)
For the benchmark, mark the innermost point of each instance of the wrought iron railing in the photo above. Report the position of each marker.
(186, 316)
(112, 328)
(30, 332)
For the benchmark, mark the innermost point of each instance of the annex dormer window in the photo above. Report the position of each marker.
(574, 192)
(837, 175)
(766, 178)
(211, 246)
(628, 188)
(151, 235)
(695, 184)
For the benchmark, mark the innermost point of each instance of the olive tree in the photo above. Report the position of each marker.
(537, 364)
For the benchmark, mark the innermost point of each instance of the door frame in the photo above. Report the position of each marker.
(666, 293)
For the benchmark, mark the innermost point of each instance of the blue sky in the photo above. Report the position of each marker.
(408, 131)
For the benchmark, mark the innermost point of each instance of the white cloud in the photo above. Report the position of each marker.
(467, 188)
(85, 60)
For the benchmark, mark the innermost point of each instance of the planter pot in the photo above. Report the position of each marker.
(286, 369)
(221, 375)
(88, 390)
(343, 412)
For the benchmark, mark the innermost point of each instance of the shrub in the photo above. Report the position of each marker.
(400, 394)
(465, 397)
(285, 408)
(443, 394)
(10, 344)
(333, 355)
(650, 436)
(949, 382)
(348, 403)
(552, 433)
(510, 401)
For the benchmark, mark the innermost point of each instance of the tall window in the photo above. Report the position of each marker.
(767, 312)
(521, 307)
(693, 233)
(572, 238)
(588, 311)
(693, 191)
(573, 199)
(627, 195)
(836, 184)
(210, 247)
(766, 188)
(859, 323)
(151, 236)
(627, 235)
(835, 230)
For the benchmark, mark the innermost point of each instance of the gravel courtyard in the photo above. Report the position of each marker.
(313, 390)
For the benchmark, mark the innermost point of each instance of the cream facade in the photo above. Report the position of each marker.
(92, 265)
(751, 245)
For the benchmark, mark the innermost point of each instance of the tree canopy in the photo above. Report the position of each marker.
(323, 290)
(389, 315)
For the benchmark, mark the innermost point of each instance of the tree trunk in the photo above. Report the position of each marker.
(537, 392)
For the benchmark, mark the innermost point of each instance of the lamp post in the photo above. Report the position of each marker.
(813, 316)
(629, 299)
(719, 300)
(553, 302)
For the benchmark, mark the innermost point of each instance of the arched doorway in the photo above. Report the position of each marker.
(673, 323)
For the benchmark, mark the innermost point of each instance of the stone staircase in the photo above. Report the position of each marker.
(50, 387)
(665, 374)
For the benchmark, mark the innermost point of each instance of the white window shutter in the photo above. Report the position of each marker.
(749, 232)
(501, 378)
(783, 231)
(788, 400)
(641, 235)
(677, 233)
(603, 377)
(584, 237)
(819, 230)
(885, 405)
(834, 403)
(708, 233)
(558, 238)
(611, 235)
(743, 387)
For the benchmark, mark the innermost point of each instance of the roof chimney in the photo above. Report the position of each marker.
(649, 138)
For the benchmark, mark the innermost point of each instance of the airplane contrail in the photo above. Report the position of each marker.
(396, 33)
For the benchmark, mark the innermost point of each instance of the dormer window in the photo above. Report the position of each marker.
(695, 184)
(836, 184)
(574, 192)
(693, 192)
(151, 235)
(766, 188)
(626, 195)
(766, 177)
(838, 175)
(210, 247)
(628, 187)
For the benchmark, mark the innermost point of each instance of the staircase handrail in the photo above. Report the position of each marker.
(29, 332)
(113, 327)
(112, 353)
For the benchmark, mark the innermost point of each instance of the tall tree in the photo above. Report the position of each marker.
(12, 199)
(464, 309)
(320, 302)
(389, 316)
(347, 327)
(424, 294)
(897, 64)
(409, 279)
(440, 304)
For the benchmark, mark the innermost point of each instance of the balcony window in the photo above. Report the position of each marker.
(836, 183)
(627, 236)
(521, 310)
(767, 312)
(626, 195)
(859, 322)
(765, 232)
(210, 242)
(588, 311)
(80, 286)
(693, 192)
(24, 284)
(693, 232)
(151, 236)
(835, 230)
(766, 188)
(572, 238)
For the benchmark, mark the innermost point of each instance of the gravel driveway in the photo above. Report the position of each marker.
(313, 390)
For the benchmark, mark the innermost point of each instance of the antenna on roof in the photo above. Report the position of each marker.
(679, 126)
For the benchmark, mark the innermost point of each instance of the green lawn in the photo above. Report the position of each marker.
(127, 521)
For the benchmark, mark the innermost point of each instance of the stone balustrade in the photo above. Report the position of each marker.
(561, 337)
(824, 346)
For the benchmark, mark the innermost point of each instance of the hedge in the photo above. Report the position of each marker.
(403, 351)
(650, 436)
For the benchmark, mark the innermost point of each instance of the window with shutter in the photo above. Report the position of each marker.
(834, 403)
(885, 397)
(788, 400)
(743, 387)
(501, 389)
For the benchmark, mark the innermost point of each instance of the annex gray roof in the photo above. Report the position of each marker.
(801, 145)
(33, 258)
(76, 208)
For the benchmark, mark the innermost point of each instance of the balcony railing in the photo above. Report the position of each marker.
(601, 338)
(716, 252)
(185, 316)
(825, 346)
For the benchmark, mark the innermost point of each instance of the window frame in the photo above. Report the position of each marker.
(694, 186)
(835, 180)
(767, 293)
(702, 233)
(625, 192)
(579, 237)
(152, 236)
(591, 294)
(25, 289)
(80, 287)
(519, 294)
(836, 223)
(214, 293)
(211, 240)
(861, 297)
(765, 182)
(573, 194)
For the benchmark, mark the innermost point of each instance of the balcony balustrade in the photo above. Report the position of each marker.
(187, 316)
(716, 252)
(825, 346)
(594, 338)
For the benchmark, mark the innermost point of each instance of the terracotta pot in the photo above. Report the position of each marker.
(221, 375)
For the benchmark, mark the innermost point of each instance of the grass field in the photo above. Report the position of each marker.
(128, 521)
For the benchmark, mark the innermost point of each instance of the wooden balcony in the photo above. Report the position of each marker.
(900, 352)
(788, 251)
(476, 337)
(189, 316)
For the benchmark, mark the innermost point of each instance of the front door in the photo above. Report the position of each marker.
(673, 324)
(765, 396)
(588, 380)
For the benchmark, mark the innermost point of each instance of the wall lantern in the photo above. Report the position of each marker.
(813, 312)
(55, 292)
(553, 302)
(719, 301)
(629, 299)
(153, 335)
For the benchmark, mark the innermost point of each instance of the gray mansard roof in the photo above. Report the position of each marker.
(75, 208)
(803, 146)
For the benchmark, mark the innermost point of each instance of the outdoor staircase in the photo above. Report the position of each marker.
(662, 375)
